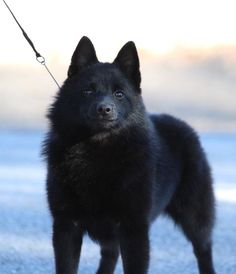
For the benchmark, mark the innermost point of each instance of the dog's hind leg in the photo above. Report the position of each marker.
(192, 208)
(109, 257)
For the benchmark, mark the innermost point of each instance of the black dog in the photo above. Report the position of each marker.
(113, 168)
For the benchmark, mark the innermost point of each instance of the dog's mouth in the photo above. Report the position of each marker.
(106, 123)
(105, 119)
(103, 122)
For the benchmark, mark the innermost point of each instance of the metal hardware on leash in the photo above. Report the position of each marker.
(39, 57)
(41, 60)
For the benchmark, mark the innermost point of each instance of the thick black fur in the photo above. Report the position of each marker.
(113, 168)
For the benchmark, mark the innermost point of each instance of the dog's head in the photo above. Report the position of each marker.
(98, 97)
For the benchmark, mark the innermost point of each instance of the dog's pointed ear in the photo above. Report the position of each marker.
(128, 61)
(84, 55)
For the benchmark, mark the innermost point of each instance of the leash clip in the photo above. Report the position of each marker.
(41, 60)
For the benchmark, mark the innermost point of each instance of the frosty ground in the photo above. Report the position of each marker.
(25, 224)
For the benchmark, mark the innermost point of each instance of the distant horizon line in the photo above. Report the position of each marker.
(180, 50)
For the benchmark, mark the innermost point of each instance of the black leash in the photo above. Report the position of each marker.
(39, 57)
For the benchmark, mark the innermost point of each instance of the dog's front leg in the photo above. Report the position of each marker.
(67, 241)
(134, 245)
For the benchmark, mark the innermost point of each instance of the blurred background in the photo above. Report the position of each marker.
(187, 53)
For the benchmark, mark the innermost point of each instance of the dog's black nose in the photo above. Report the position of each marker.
(105, 109)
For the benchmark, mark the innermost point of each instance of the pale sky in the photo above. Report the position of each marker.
(158, 26)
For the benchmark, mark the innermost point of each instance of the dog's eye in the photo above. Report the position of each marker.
(119, 94)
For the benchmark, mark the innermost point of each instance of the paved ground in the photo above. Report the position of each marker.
(25, 225)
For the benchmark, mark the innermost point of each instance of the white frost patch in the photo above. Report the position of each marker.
(22, 244)
(18, 172)
(226, 195)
